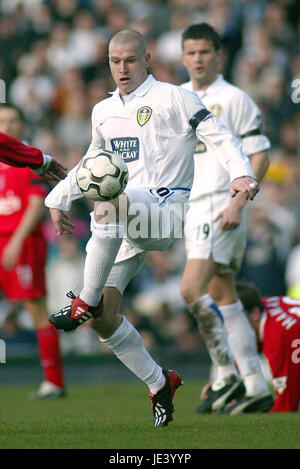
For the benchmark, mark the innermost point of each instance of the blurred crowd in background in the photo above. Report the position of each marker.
(53, 59)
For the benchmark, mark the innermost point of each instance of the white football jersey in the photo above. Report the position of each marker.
(241, 115)
(155, 131)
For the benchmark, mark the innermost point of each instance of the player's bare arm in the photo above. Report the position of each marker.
(231, 215)
(11, 254)
(61, 221)
(260, 163)
(31, 217)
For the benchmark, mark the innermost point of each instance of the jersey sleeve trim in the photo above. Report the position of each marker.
(251, 133)
(199, 117)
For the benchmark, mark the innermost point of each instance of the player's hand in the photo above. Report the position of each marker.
(55, 171)
(246, 185)
(231, 217)
(10, 255)
(61, 222)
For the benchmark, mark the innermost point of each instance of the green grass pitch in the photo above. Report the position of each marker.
(120, 416)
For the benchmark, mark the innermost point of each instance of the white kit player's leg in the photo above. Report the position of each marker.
(242, 341)
(127, 345)
(258, 396)
(194, 288)
(102, 250)
(196, 279)
(211, 328)
(227, 384)
(124, 340)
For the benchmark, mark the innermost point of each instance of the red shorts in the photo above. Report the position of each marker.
(27, 279)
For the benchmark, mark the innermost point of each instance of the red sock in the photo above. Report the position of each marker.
(48, 342)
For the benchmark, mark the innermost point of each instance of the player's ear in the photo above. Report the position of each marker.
(220, 58)
(147, 59)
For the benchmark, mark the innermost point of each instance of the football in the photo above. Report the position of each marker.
(102, 176)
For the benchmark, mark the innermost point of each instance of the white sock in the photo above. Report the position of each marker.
(214, 335)
(242, 341)
(102, 250)
(127, 345)
(255, 384)
(224, 376)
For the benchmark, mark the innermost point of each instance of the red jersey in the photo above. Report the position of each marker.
(16, 153)
(280, 336)
(16, 186)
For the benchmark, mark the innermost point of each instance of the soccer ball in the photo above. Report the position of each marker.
(102, 176)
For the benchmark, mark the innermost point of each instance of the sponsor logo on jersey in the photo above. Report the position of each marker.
(10, 204)
(127, 147)
(216, 109)
(143, 115)
(200, 147)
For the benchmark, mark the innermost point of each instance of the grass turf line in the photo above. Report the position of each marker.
(119, 416)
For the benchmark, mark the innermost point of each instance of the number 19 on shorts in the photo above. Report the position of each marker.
(202, 231)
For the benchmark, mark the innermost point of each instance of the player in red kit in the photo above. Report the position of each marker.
(23, 251)
(16, 153)
(276, 321)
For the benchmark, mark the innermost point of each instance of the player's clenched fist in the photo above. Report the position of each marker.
(61, 222)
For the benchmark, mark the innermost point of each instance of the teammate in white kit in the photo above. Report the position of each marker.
(156, 125)
(215, 229)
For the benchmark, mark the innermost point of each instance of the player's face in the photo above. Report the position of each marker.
(202, 61)
(10, 123)
(128, 66)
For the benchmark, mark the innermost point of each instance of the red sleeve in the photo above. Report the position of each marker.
(15, 153)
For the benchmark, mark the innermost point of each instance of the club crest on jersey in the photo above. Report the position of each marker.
(216, 109)
(143, 115)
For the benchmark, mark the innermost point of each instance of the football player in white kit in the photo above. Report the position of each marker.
(215, 230)
(154, 126)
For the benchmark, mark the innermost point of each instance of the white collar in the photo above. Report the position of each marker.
(213, 88)
(140, 91)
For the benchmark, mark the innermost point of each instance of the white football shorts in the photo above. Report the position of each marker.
(204, 237)
(153, 224)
